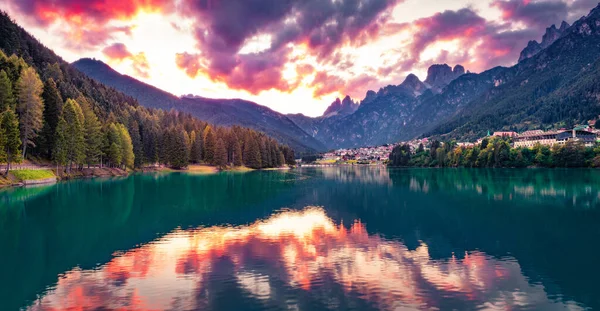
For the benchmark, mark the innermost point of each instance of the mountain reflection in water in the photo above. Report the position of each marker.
(294, 260)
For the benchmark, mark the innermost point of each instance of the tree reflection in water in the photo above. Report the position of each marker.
(295, 259)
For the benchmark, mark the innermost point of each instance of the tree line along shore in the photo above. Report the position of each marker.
(495, 152)
(51, 114)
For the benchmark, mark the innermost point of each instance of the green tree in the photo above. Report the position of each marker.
(136, 140)
(52, 111)
(74, 133)
(400, 155)
(237, 154)
(195, 149)
(265, 155)
(30, 106)
(178, 154)
(6, 92)
(281, 160)
(10, 129)
(92, 133)
(114, 152)
(210, 143)
(127, 157)
(61, 146)
(252, 156)
(220, 154)
(3, 141)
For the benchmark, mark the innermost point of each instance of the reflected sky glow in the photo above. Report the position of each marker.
(295, 254)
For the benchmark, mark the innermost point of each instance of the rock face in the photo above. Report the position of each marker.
(552, 34)
(413, 83)
(381, 116)
(438, 76)
(534, 93)
(561, 75)
(341, 107)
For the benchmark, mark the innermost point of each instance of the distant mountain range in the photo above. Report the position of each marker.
(555, 83)
(216, 111)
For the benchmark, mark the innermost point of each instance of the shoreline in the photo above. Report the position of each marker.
(95, 172)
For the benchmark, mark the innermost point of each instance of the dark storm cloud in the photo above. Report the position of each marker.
(538, 14)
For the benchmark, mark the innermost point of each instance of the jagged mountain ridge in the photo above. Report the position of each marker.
(440, 75)
(341, 107)
(520, 97)
(461, 104)
(381, 116)
(552, 34)
(558, 87)
(224, 112)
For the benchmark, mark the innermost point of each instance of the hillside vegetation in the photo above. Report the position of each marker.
(50, 110)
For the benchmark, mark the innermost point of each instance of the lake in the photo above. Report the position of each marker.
(337, 238)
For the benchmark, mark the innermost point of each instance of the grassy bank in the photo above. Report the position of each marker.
(17, 177)
(21, 175)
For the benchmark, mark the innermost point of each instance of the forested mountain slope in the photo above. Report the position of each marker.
(225, 112)
(556, 87)
(62, 115)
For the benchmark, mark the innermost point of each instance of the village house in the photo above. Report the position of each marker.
(529, 139)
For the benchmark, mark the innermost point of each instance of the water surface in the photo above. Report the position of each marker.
(310, 239)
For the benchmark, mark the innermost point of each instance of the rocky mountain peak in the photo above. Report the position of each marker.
(563, 26)
(341, 107)
(415, 85)
(458, 70)
(440, 75)
(552, 34)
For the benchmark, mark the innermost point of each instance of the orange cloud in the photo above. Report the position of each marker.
(118, 52)
(298, 251)
(87, 20)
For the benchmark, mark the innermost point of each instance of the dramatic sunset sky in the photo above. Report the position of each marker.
(290, 55)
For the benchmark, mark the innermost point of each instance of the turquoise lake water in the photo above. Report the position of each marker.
(338, 238)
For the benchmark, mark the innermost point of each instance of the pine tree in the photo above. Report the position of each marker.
(114, 152)
(220, 154)
(237, 154)
(197, 147)
(10, 128)
(290, 158)
(30, 106)
(127, 157)
(92, 133)
(265, 155)
(150, 135)
(60, 149)
(136, 140)
(192, 155)
(179, 152)
(7, 98)
(52, 111)
(281, 160)
(74, 133)
(3, 142)
(252, 156)
(275, 160)
(210, 143)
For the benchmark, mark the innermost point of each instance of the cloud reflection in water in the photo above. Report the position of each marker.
(294, 254)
